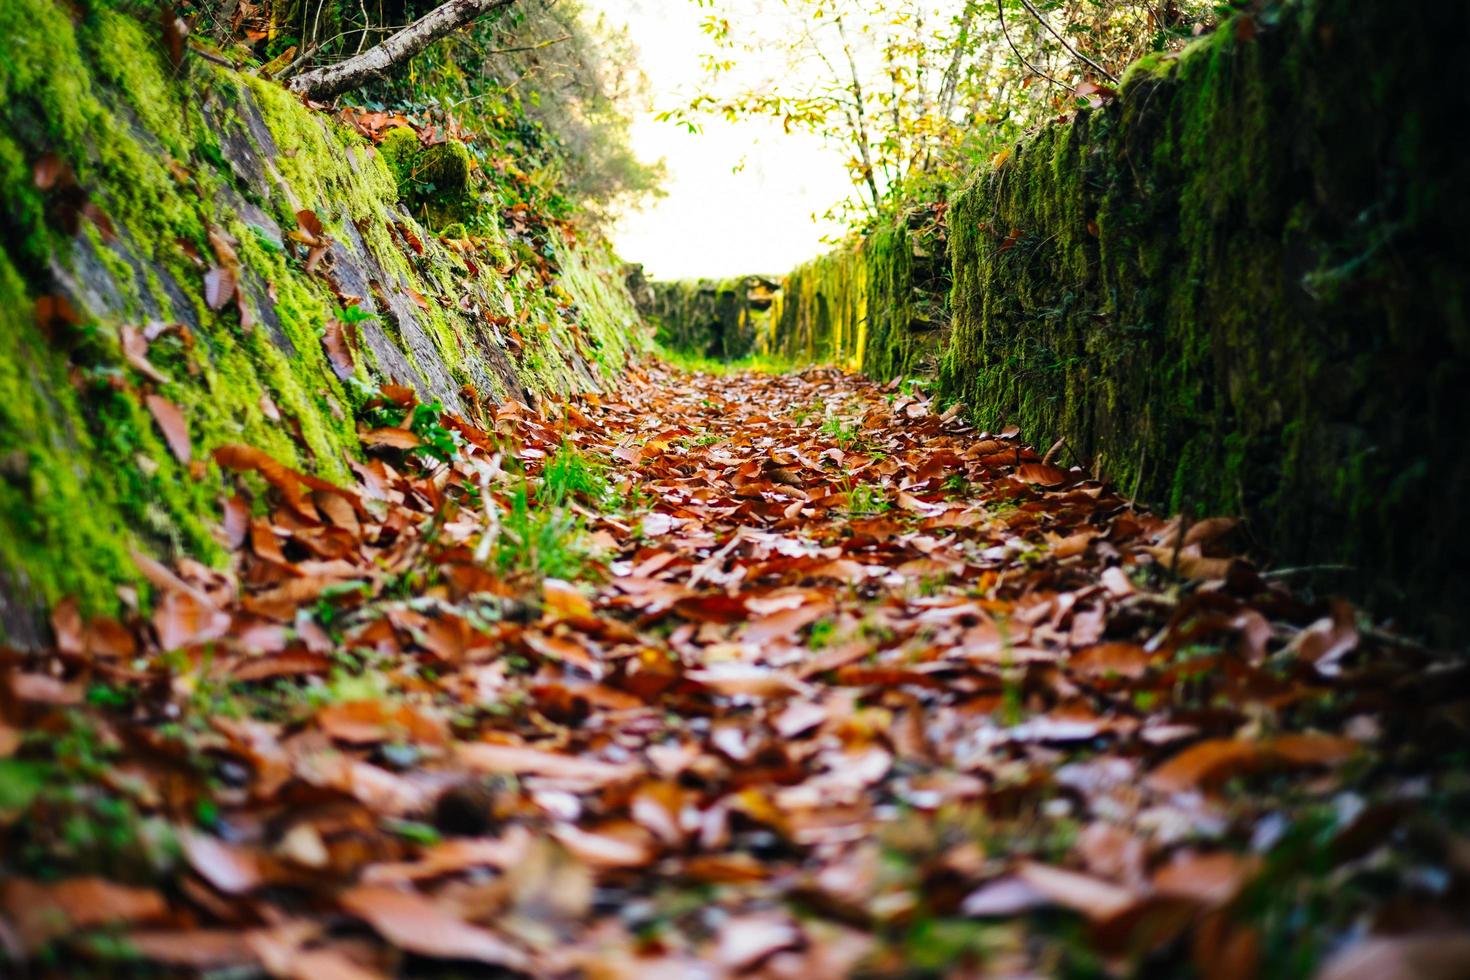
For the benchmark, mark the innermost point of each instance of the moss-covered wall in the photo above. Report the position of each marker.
(1241, 288)
(719, 318)
(880, 304)
(123, 181)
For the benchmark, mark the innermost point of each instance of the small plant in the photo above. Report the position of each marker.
(544, 541)
(842, 431)
(438, 442)
(356, 314)
(822, 633)
(568, 475)
(867, 499)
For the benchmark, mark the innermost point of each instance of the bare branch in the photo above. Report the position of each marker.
(378, 61)
(1000, 8)
(1075, 53)
(531, 47)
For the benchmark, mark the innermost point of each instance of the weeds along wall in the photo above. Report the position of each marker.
(137, 192)
(1239, 288)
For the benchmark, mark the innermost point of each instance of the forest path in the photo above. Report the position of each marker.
(850, 683)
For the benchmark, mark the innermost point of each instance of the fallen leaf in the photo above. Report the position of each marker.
(232, 870)
(338, 346)
(1042, 475)
(135, 351)
(1416, 956)
(391, 439)
(418, 925)
(521, 760)
(220, 287)
(173, 425)
(41, 912)
(745, 941)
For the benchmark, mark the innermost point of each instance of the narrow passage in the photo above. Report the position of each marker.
(789, 676)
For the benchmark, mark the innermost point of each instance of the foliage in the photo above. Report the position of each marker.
(917, 94)
(542, 91)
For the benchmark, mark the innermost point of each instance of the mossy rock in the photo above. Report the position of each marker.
(400, 148)
(433, 180)
(446, 168)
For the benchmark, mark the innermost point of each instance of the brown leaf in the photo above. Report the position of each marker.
(627, 846)
(173, 425)
(236, 522)
(41, 912)
(1209, 530)
(336, 340)
(45, 689)
(520, 760)
(135, 351)
(1313, 749)
(289, 663)
(220, 287)
(747, 680)
(1004, 898)
(1207, 764)
(310, 225)
(196, 949)
(415, 924)
(51, 171)
(1127, 660)
(66, 623)
(391, 439)
(54, 315)
(183, 619)
(1093, 897)
(232, 870)
(287, 481)
(1042, 475)
(565, 600)
(784, 624)
(1416, 956)
(1211, 879)
(1212, 762)
(746, 940)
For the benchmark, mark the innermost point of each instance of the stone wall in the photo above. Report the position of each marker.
(719, 318)
(153, 256)
(1239, 287)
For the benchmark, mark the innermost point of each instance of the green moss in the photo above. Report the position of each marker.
(881, 304)
(61, 531)
(709, 317)
(433, 180)
(85, 475)
(1194, 285)
(400, 148)
(444, 168)
(1237, 289)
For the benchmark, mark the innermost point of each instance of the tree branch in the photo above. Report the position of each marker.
(1075, 53)
(1000, 8)
(378, 61)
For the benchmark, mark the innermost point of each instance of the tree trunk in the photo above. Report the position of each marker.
(378, 61)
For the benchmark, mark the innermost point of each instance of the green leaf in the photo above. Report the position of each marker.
(20, 783)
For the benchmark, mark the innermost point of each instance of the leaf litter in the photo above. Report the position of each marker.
(734, 675)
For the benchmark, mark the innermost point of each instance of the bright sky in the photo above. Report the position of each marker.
(716, 221)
